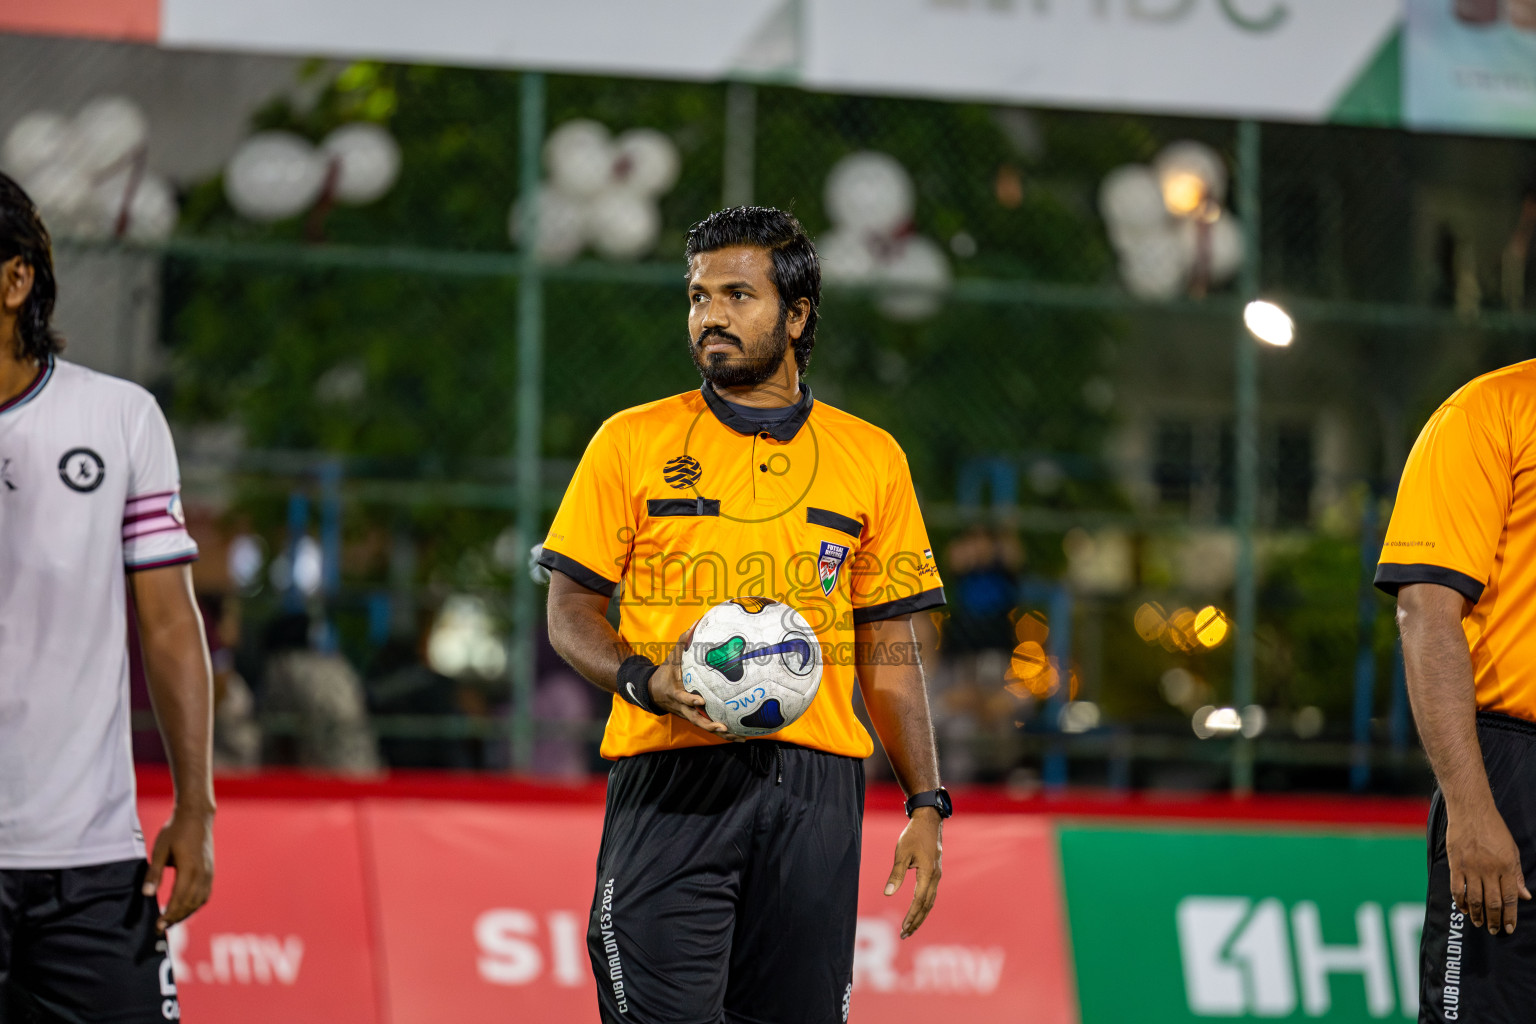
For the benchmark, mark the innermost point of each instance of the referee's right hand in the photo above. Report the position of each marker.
(668, 693)
(1486, 880)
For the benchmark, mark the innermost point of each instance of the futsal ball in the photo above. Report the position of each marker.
(755, 662)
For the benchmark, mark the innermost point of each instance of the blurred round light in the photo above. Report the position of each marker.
(916, 278)
(1211, 626)
(106, 131)
(846, 257)
(1200, 722)
(1178, 686)
(579, 156)
(1155, 264)
(308, 565)
(36, 140)
(1183, 194)
(1269, 323)
(274, 175)
(1189, 174)
(1254, 720)
(562, 227)
(368, 160)
(623, 225)
(1228, 248)
(870, 192)
(246, 555)
(63, 196)
(1219, 722)
(646, 161)
(1131, 200)
(150, 205)
(1307, 722)
(465, 639)
(1150, 621)
(1080, 716)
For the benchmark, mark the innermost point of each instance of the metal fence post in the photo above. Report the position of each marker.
(1247, 437)
(1365, 654)
(530, 344)
(740, 144)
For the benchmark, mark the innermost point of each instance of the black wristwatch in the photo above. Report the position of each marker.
(935, 798)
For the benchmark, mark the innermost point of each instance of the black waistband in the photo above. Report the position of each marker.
(1508, 723)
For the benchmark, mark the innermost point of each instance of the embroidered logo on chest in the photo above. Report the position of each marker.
(827, 566)
(683, 471)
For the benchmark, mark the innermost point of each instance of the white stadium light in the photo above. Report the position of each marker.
(1269, 323)
(623, 225)
(1210, 722)
(107, 131)
(846, 257)
(274, 175)
(1190, 175)
(35, 141)
(579, 157)
(646, 161)
(1131, 201)
(870, 192)
(562, 227)
(917, 279)
(367, 159)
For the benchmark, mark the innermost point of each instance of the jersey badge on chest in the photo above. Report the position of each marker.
(82, 470)
(831, 560)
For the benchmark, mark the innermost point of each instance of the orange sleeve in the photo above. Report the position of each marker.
(1452, 505)
(594, 529)
(894, 572)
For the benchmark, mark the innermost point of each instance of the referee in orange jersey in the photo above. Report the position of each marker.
(1460, 555)
(728, 874)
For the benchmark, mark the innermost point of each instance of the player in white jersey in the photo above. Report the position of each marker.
(89, 496)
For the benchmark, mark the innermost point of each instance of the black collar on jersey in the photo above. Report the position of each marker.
(44, 373)
(780, 432)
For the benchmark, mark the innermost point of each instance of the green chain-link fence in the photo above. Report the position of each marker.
(1078, 449)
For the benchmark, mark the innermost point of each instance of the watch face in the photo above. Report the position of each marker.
(946, 805)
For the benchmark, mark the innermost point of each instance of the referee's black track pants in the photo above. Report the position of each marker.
(1467, 976)
(727, 886)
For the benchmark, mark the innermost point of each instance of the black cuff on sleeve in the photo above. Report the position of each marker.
(902, 606)
(557, 562)
(1392, 577)
(634, 685)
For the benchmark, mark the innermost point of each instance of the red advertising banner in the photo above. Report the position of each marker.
(138, 20)
(286, 935)
(417, 899)
(995, 941)
(482, 910)
(380, 911)
(483, 917)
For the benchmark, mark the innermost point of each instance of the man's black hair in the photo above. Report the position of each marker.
(22, 234)
(794, 266)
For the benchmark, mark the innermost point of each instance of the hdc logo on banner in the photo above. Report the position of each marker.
(1238, 962)
(1263, 925)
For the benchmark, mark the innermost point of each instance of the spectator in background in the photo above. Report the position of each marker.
(323, 699)
(401, 682)
(236, 733)
(565, 743)
(974, 713)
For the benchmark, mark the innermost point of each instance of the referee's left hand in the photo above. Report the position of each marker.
(921, 847)
(186, 844)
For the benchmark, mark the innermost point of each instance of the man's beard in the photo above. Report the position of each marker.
(730, 370)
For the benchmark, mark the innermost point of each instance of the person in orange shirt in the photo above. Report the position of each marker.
(727, 878)
(1460, 555)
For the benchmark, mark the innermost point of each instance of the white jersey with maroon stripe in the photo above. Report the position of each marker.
(89, 489)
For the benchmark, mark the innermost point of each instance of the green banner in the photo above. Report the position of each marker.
(1205, 925)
